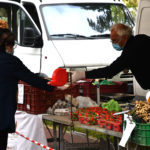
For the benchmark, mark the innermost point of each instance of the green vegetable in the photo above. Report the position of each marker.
(106, 82)
(112, 105)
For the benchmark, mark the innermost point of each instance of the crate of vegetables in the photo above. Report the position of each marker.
(110, 121)
(89, 116)
(141, 116)
(141, 134)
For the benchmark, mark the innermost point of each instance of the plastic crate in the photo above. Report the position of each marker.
(37, 101)
(141, 134)
(86, 88)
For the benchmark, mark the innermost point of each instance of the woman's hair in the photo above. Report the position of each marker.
(122, 30)
(8, 39)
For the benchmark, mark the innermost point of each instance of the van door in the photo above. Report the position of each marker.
(28, 36)
(143, 19)
(142, 27)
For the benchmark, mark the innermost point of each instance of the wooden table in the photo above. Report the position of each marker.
(64, 121)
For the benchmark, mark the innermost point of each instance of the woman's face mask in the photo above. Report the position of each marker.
(117, 46)
(9, 52)
(10, 49)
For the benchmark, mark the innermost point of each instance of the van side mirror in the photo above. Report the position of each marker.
(30, 38)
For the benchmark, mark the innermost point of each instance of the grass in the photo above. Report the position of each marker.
(92, 134)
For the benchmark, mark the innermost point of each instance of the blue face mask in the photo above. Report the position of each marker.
(117, 47)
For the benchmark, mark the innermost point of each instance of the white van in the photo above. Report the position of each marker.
(142, 26)
(64, 33)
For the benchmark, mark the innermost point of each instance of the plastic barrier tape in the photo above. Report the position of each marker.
(35, 142)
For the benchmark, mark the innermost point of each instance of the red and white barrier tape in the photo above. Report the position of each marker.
(35, 142)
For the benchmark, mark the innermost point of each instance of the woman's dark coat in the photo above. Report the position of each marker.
(11, 71)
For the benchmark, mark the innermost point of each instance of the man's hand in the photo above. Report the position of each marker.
(78, 75)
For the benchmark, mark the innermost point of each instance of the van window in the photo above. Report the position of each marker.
(18, 22)
(144, 21)
(27, 30)
(7, 14)
(33, 12)
(4, 16)
(83, 20)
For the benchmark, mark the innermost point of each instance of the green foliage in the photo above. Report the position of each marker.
(112, 105)
(131, 3)
(132, 6)
(91, 133)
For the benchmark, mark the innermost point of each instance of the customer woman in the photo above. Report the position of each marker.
(11, 71)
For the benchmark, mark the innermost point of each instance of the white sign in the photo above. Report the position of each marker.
(20, 93)
(130, 125)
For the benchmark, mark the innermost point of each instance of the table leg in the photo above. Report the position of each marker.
(61, 137)
(55, 135)
(115, 143)
(108, 142)
(71, 134)
(87, 136)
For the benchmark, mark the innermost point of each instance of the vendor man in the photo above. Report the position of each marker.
(135, 56)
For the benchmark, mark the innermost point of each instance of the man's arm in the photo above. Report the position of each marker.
(106, 72)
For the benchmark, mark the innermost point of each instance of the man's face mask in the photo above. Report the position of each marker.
(117, 46)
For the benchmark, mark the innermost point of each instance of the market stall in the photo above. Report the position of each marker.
(64, 121)
(92, 114)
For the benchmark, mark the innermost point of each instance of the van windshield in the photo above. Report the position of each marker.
(84, 20)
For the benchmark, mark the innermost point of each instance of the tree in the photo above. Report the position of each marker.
(132, 6)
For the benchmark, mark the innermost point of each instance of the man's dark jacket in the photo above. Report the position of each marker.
(135, 56)
(12, 70)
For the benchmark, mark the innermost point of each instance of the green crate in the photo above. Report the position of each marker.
(141, 134)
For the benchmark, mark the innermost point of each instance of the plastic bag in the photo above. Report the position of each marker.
(85, 102)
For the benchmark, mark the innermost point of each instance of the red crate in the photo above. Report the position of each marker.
(86, 88)
(118, 87)
(37, 101)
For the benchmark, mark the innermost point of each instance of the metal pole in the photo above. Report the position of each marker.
(70, 76)
(98, 92)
